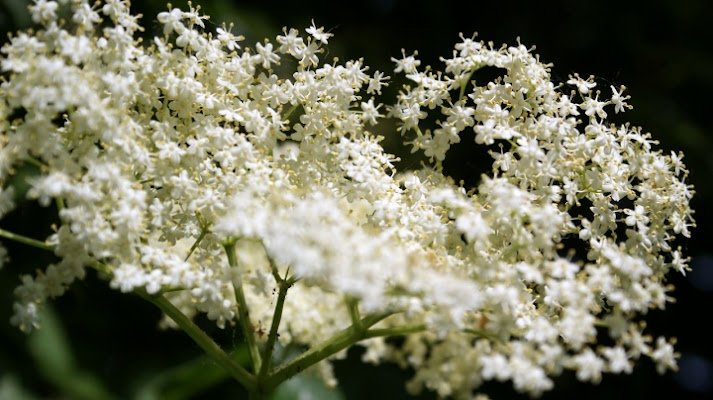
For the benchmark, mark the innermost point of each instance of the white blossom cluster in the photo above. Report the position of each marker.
(160, 151)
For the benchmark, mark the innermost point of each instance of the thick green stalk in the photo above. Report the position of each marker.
(333, 345)
(202, 339)
(243, 312)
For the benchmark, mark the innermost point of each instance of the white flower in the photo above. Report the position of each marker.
(618, 100)
(618, 360)
(584, 86)
(318, 34)
(406, 65)
(376, 83)
(370, 112)
(637, 216)
(589, 366)
(171, 21)
(592, 106)
(664, 356)
(43, 11)
(228, 39)
(291, 43)
(265, 55)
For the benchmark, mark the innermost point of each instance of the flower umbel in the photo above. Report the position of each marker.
(190, 172)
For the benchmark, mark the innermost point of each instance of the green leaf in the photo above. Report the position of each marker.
(187, 380)
(306, 386)
(11, 389)
(52, 354)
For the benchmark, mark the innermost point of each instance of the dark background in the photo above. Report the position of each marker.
(661, 50)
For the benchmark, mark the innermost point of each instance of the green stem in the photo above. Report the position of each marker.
(204, 231)
(482, 333)
(274, 271)
(353, 305)
(243, 312)
(60, 204)
(100, 267)
(272, 336)
(333, 345)
(395, 331)
(202, 339)
(464, 84)
(600, 323)
(290, 111)
(26, 240)
(37, 163)
(169, 289)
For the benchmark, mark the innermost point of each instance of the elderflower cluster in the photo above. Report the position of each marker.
(159, 151)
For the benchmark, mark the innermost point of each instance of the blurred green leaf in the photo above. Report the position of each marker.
(306, 386)
(14, 15)
(11, 389)
(188, 379)
(52, 354)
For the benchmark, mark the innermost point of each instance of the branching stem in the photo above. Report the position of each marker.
(345, 338)
(235, 370)
(243, 311)
(283, 286)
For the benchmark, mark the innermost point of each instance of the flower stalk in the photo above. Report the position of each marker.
(26, 240)
(282, 286)
(243, 310)
(212, 349)
(340, 341)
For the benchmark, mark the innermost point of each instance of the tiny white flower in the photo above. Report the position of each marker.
(318, 33)
(584, 86)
